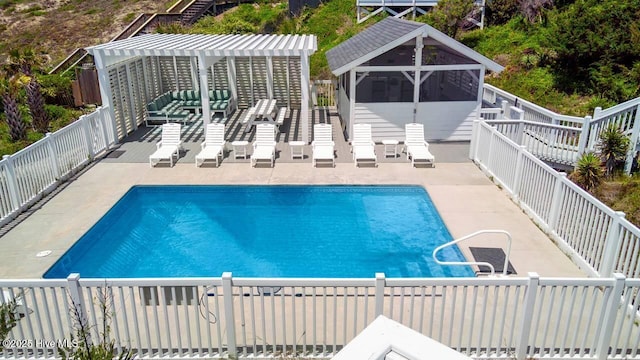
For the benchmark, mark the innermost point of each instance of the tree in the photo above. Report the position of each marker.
(501, 11)
(588, 171)
(597, 43)
(449, 15)
(613, 146)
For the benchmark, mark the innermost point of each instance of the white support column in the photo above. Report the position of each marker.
(269, 77)
(213, 76)
(159, 74)
(288, 85)
(105, 91)
(231, 75)
(304, 89)
(480, 85)
(195, 66)
(176, 86)
(204, 90)
(251, 80)
(130, 93)
(416, 76)
(352, 100)
(145, 77)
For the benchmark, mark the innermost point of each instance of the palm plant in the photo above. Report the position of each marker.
(13, 118)
(35, 101)
(613, 146)
(588, 171)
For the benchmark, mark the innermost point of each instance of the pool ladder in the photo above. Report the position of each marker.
(467, 237)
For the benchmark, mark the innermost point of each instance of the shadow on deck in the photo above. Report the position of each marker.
(137, 147)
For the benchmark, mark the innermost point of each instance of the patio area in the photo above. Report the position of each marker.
(137, 147)
(466, 199)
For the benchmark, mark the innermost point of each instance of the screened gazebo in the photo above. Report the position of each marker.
(135, 71)
(398, 71)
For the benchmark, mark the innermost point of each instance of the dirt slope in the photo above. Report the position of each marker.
(54, 28)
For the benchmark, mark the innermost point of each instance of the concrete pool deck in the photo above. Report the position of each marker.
(466, 199)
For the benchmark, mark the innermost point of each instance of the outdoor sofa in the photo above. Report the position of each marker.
(175, 106)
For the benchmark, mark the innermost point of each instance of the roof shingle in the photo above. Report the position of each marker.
(370, 39)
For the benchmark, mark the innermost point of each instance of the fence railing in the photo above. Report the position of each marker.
(564, 148)
(36, 170)
(323, 93)
(597, 238)
(531, 111)
(483, 318)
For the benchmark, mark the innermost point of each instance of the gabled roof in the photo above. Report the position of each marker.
(211, 45)
(388, 34)
(384, 34)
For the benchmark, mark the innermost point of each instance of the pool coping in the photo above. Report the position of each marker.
(465, 198)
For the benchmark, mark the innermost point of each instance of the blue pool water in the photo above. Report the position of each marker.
(264, 231)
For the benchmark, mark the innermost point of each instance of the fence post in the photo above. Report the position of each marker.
(475, 133)
(522, 343)
(609, 317)
(584, 135)
(48, 139)
(85, 122)
(505, 109)
(77, 300)
(518, 174)
(490, 157)
(556, 203)
(380, 284)
(12, 182)
(611, 245)
(227, 291)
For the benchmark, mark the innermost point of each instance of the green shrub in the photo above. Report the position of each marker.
(588, 172)
(61, 116)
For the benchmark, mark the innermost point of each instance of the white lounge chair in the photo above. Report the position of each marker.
(416, 147)
(322, 144)
(168, 146)
(264, 146)
(213, 145)
(362, 145)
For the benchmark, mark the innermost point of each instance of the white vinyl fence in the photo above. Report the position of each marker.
(36, 170)
(323, 93)
(599, 240)
(484, 318)
(556, 138)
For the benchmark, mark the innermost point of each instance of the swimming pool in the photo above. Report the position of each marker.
(264, 231)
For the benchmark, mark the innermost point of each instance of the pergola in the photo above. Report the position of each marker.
(134, 71)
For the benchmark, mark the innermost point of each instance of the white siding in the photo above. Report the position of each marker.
(448, 121)
(387, 119)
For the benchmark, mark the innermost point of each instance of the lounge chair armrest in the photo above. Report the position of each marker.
(159, 144)
(203, 145)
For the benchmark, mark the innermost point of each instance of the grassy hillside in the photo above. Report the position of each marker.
(54, 28)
